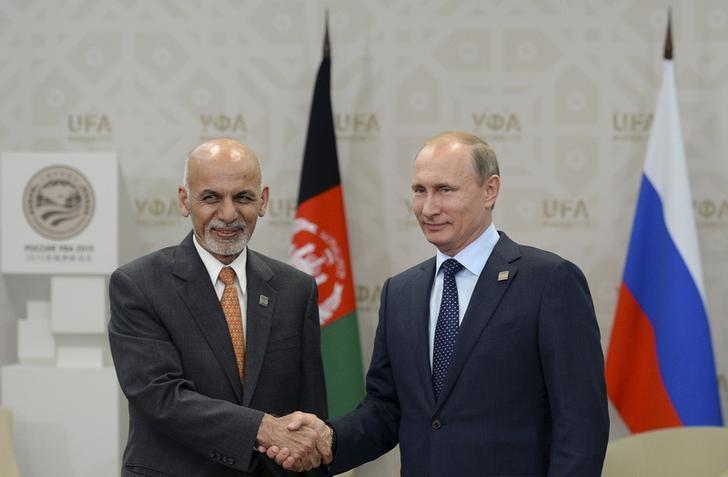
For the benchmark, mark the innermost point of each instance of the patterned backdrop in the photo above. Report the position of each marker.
(564, 90)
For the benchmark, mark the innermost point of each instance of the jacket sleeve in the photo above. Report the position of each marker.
(372, 428)
(573, 367)
(150, 372)
(312, 391)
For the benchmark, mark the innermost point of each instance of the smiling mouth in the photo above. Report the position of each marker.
(227, 233)
(434, 226)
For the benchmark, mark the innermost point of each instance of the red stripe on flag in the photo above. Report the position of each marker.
(323, 244)
(634, 383)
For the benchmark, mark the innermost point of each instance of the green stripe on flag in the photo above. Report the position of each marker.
(341, 354)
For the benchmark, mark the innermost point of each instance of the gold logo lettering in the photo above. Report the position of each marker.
(88, 127)
(497, 126)
(565, 212)
(356, 125)
(156, 211)
(223, 123)
(367, 297)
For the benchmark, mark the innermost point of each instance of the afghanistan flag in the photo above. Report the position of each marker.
(320, 247)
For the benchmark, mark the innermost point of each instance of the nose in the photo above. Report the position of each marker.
(227, 211)
(430, 206)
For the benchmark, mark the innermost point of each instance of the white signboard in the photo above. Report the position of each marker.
(58, 212)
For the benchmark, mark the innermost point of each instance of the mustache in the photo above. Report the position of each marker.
(220, 225)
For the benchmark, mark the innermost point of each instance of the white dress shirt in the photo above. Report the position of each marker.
(472, 258)
(214, 266)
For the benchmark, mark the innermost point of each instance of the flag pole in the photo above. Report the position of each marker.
(327, 44)
(667, 55)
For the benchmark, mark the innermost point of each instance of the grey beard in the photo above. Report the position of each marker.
(226, 247)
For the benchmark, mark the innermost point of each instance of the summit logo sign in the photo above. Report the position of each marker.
(58, 202)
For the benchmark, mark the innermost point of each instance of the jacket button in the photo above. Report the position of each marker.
(436, 424)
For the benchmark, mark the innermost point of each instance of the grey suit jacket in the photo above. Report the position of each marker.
(189, 414)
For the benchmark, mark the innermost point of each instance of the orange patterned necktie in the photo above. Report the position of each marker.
(231, 308)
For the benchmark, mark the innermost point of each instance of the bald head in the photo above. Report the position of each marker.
(220, 150)
(483, 157)
(223, 195)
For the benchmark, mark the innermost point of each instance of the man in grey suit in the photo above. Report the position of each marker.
(487, 359)
(211, 340)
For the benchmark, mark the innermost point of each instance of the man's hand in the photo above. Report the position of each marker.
(297, 442)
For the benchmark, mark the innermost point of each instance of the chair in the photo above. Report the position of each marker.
(675, 452)
(8, 465)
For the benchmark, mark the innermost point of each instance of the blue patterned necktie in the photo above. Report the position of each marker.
(448, 323)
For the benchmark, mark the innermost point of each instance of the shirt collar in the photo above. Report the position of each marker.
(214, 265)
(474, 256)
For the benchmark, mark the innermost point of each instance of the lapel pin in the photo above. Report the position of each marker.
(263, 300)
(503, 275)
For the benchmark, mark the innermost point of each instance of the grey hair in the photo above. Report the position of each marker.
(186, 174)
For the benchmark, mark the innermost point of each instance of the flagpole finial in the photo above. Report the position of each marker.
(668, 36)
(327, 45)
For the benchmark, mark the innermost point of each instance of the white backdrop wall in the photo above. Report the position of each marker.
(564, 90)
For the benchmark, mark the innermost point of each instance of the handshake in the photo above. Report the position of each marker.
(297, 442)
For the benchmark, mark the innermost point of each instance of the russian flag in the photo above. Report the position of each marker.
(660, 369)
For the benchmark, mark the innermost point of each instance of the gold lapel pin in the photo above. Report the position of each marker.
(263, 301)
(503, 275)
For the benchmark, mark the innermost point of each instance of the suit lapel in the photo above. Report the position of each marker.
(198, 293)
(419, 322)
(259, 313)
(488, 292)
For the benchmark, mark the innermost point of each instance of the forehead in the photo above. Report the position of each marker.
(230, 172)
(443, 162)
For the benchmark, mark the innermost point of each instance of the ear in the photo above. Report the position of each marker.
(491, 187)
(263, 201)
(183, 201)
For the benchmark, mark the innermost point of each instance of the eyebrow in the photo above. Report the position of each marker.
(437, 185)
(241, 191)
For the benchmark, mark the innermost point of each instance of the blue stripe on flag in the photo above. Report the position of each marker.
(661, 283)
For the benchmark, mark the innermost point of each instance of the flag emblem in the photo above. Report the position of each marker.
(317, 252)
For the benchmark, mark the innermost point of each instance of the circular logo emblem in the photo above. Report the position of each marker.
(58, 202)
(317, 253)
